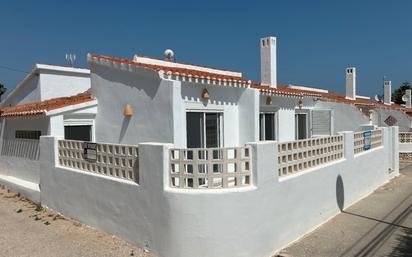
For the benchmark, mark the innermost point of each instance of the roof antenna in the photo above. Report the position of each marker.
(71, 59)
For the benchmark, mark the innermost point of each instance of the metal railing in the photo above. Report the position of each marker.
(21, 148)
(211, 168)
(300, 155)
(112, 160)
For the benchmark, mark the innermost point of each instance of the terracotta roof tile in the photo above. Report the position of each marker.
(171, 70)
(282, 90)
(41, 107)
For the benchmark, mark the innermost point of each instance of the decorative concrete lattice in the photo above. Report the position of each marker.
(407, 157)
(113, 160)
(405, 137)
(198, 168)
(21, 148)
(300, 155)
(360, 143)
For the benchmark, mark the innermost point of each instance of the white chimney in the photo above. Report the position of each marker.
(387, 92)
(407, 98)
(268, 61)
(351, 83)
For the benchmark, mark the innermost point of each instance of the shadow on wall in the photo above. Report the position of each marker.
(340, 193)
(125, 125)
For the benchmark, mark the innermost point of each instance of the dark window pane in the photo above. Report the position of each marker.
(81, 133)
(301, 119)
(212, 130)
(269, 126)
(194, 128)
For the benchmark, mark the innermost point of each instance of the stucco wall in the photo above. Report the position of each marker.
(12, 124)
(150, 98)
(403, 120)
(345, 117)
(252, 221)
(237, 105)
(58, 84)
(28, 92)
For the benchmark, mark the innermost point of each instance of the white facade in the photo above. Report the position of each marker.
(47, 82)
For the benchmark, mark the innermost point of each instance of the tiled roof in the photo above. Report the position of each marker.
(38, 108)
(282, 90)
(178, 73)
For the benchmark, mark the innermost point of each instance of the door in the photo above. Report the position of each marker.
(301, 128)
(203, 130)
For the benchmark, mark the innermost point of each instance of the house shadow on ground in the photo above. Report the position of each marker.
(404, 246)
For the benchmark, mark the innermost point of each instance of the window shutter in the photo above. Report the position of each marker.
(321, 122)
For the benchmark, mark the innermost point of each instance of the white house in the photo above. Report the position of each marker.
(192, 160)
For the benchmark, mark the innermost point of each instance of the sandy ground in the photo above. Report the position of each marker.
(27, 229)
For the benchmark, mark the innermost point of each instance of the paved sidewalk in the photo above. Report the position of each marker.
(28, 230)
(379, 225)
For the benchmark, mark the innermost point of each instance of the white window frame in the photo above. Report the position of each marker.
(262, 128)
(331, 121)
(297, 124)
(82, 122)
(221, 125)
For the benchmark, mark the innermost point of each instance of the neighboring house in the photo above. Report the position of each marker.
(46, 82)
(70, 117)
(49, 101)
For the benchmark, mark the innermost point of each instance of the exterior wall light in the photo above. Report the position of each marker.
(268, 100)
(300, 104)
(128, 111)
(205, 94)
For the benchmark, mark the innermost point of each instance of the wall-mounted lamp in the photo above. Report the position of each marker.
(205, 94)
(268, 100)
(128, 111)
(300, 104)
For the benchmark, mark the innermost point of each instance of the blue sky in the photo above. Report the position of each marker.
(317, 40)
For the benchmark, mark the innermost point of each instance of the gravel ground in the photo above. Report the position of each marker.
(26, 229)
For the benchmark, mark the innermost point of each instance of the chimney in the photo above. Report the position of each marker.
(351, 83)
(268, 61)
(408, 96)
(387, 92)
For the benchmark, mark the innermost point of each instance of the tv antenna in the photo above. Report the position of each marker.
(71, 59)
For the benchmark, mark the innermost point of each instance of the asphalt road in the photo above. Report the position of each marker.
(379, 225)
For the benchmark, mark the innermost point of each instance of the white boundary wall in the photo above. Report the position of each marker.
(239, 222)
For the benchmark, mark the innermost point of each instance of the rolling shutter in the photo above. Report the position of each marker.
(321, 122)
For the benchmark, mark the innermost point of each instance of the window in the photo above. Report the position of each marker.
(28, 134)
(321, 122)
(203, 130)
(268, 126)
(79, 132)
